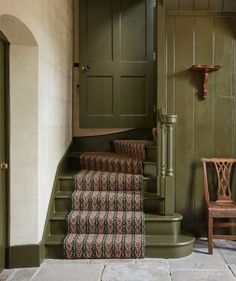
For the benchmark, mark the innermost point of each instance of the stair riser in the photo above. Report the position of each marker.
(54, 252)
(58, 227)
(62, 204)
(151, 228)
(150, 186)
(68, 185)
(152, 153)
(168, 251)
(162, 227)
(150, 170)
(150, 205)
(153, 206)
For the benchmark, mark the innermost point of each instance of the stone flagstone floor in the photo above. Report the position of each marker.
(221, 266)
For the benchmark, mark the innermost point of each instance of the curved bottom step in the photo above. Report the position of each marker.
(169, 246)
(157, 246)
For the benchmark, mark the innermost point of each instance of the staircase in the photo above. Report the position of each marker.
(162, 232)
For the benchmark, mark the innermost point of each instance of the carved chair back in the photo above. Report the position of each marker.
(223, 170)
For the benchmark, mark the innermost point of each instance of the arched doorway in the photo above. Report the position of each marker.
(23, 129)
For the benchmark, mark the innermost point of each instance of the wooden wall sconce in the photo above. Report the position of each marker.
(205, 69)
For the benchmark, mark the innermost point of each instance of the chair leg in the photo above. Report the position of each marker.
(210, 235)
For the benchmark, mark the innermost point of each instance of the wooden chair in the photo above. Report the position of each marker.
(220, 203)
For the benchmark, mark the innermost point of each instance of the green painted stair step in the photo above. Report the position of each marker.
(154, 224)
(157, 246)
(152, 202)
(169, 246)
(66, 183)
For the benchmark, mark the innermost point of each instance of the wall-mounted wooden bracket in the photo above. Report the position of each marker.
(205, 69)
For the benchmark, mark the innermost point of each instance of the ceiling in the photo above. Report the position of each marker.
(201, 5)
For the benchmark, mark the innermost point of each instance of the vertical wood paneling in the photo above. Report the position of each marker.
(170, 64)
(186, 4)
(223, 127)
(171, 5)
(215, 5)
(184, 110)
(203, 113)
(204, 128)
(224, 44)
(201, 5)
(229, 6)
(203, 40)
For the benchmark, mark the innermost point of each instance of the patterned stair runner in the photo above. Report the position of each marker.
(107, 220)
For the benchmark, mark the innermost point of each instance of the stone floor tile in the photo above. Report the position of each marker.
(6, 273)
(203, 275)
(227, 249)
(69, 272)
(226, 245)
(57, 261)
(233, 268)
(108, 261)
(134, 272)
(159, 263)
(199, 260)
(23, 274)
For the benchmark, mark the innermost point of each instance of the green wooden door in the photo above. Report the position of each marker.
(2, 159)
(116, 64)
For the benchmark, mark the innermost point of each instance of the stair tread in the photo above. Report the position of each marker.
(54, 239)
(147, 178)
(169, 240)
(150, 162)
(59, 216)
(63, 194)
(75, 154)
(149, 195)
(151, 146)
(156, 217)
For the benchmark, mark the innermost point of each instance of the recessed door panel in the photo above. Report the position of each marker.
(134, 88)
(133, 30)
(99, 30)
(100, 97)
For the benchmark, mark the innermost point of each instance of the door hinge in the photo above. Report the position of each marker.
(154, 108)
(154, 56)
(154, 3)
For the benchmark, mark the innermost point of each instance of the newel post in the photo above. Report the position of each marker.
(167, 123)
(170, 121)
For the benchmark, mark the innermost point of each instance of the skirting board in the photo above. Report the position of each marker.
(25, 256)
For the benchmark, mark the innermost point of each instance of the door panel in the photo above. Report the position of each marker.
(116, 59)
(133, 30)
(2, 159)
(99, 30)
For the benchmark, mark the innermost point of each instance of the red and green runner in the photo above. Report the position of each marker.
(107, 219)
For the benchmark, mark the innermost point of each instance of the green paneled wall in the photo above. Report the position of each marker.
(205, 128)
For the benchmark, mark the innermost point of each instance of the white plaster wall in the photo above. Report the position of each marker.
(51, 23)
(23, 143)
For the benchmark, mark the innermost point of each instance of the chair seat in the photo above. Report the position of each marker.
(222, 209)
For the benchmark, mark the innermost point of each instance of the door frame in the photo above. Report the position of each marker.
(7, 140)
